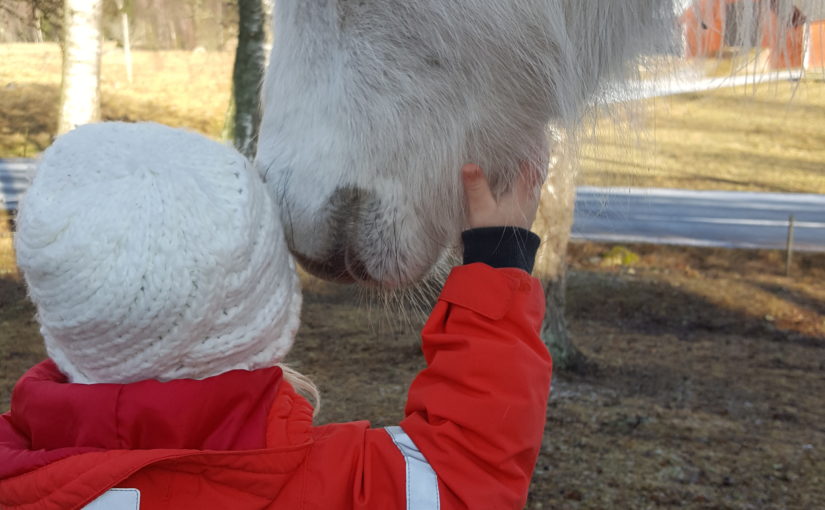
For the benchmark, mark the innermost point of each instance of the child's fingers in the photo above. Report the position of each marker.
(476, 188)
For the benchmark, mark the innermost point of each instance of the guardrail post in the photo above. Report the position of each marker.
(789, 246)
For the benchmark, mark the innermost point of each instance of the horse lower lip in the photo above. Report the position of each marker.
(333, 269)
(358, 270)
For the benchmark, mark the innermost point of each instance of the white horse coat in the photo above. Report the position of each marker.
(371, 107)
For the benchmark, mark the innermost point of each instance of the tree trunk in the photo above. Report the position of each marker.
(80, 91)
(553, 222)
(38, 24)
(248, 75)
(127, 43)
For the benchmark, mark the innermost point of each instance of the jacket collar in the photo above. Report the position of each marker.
(225, 412)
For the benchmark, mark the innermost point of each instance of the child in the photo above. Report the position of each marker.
(167, 300)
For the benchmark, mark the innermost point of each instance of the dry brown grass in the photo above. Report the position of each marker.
(769, 137)
(7, 264)
(8, 268)
(708, 391)
(178, 88)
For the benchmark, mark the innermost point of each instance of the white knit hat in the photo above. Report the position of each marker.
(154, 253)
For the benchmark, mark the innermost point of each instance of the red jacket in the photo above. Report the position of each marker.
(473, 428)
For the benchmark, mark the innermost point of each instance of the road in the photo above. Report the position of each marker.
(731, 219)
(644, 215)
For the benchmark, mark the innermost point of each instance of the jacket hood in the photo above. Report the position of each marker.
(51, 419)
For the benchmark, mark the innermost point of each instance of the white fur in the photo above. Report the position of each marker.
(371, 107)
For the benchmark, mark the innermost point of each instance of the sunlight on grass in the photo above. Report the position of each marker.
(7, 263)
(178, 88)
(767, 137)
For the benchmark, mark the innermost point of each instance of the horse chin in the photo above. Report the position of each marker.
(349, 268)
(342, 268)
(362, 240)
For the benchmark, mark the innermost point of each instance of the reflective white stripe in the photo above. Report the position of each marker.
(422, 482)
(116, 499)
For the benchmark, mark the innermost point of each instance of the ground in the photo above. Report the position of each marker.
(704, 389)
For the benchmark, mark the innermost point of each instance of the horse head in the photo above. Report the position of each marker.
(371, 107)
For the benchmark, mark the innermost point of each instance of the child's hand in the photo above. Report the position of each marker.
(516, 208)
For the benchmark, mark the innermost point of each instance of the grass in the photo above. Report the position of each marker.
(8, 268)
(7, 265)
(178, 88)
(768, 137)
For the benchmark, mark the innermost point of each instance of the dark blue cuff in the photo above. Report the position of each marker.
(501, 247)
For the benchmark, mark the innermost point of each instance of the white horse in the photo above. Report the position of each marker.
(371, 107)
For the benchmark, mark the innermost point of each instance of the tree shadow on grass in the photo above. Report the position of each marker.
(659, 345)
(21, 346)
(12, 293)
(798, 297)
(658, 308)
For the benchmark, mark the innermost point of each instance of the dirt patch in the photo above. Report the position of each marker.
(708, 387)
(705, 390)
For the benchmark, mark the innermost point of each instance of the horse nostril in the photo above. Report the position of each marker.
(327, 259)
(343, 199)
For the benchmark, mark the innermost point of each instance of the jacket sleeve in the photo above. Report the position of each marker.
(477, 412)
(474, 417)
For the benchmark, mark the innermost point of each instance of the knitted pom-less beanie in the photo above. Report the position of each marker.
(154, 253)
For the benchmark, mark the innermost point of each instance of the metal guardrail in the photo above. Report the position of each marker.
(727, 219)
(635, 215)
(15, 177)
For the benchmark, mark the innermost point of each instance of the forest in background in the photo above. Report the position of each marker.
(154, 24)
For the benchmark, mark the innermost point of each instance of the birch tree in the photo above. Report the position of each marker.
(82, 47)
(248, 74)
(123, 10)
(554, 222)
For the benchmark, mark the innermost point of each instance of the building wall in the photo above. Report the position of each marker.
(815, 47)
(704, 24)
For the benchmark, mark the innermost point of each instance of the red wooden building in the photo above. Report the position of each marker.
(793, 38)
